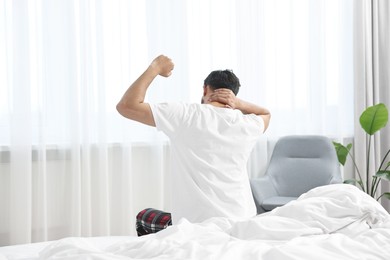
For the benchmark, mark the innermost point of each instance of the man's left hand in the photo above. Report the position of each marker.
(226, 97)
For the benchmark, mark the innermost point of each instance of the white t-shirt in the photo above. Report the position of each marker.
(210, 150)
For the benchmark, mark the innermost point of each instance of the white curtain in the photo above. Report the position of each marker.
(71, 166)
(372, 78)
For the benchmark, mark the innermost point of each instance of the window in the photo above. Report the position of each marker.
(68, 63)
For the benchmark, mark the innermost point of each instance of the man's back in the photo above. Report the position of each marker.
(210, 149)
(211, 142)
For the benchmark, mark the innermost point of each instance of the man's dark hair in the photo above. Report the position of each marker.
(223, 79)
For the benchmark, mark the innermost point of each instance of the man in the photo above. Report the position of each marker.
(211, 143)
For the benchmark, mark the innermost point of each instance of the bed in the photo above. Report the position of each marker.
(330, 222)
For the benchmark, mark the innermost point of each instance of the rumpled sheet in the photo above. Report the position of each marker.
(330, 222)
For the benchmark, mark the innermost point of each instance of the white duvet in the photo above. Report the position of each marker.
(330, 222)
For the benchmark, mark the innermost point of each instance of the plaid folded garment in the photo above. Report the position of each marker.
(152, 221)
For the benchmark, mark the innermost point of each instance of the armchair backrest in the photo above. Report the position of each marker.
(300, 163)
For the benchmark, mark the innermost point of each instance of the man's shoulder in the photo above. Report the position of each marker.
(178, 110)
(172, 104)
(187, 109)
(177, 106)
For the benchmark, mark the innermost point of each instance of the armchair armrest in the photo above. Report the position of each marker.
(336, 178)
(262, 188)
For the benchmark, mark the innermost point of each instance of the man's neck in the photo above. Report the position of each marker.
(217, 104)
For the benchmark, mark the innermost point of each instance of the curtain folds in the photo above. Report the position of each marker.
(71, 166)
(372, 80)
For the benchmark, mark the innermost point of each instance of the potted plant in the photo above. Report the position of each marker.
(371, 120)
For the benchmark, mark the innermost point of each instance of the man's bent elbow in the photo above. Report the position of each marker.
(120, 107)
(266, 119)
(125, 110)
(140, 113)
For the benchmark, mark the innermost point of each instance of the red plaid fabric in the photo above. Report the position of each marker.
(152, 221)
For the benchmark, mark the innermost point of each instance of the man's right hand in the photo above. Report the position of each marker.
(162, 65)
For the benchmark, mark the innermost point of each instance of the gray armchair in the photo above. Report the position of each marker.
(298, 164)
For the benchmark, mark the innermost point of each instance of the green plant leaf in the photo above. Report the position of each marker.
(386, 195)
(383, 175)
(350, 181)
(374, 118)
(342, 152)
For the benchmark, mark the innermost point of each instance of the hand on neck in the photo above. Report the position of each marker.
(206, 99)
(216, 104)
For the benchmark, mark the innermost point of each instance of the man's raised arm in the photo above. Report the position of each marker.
(132, 104)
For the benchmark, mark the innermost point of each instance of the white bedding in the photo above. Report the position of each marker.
(330, 222)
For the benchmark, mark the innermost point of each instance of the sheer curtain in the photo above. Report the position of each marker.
(71, 166)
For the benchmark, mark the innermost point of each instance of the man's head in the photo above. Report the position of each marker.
(223, 79)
